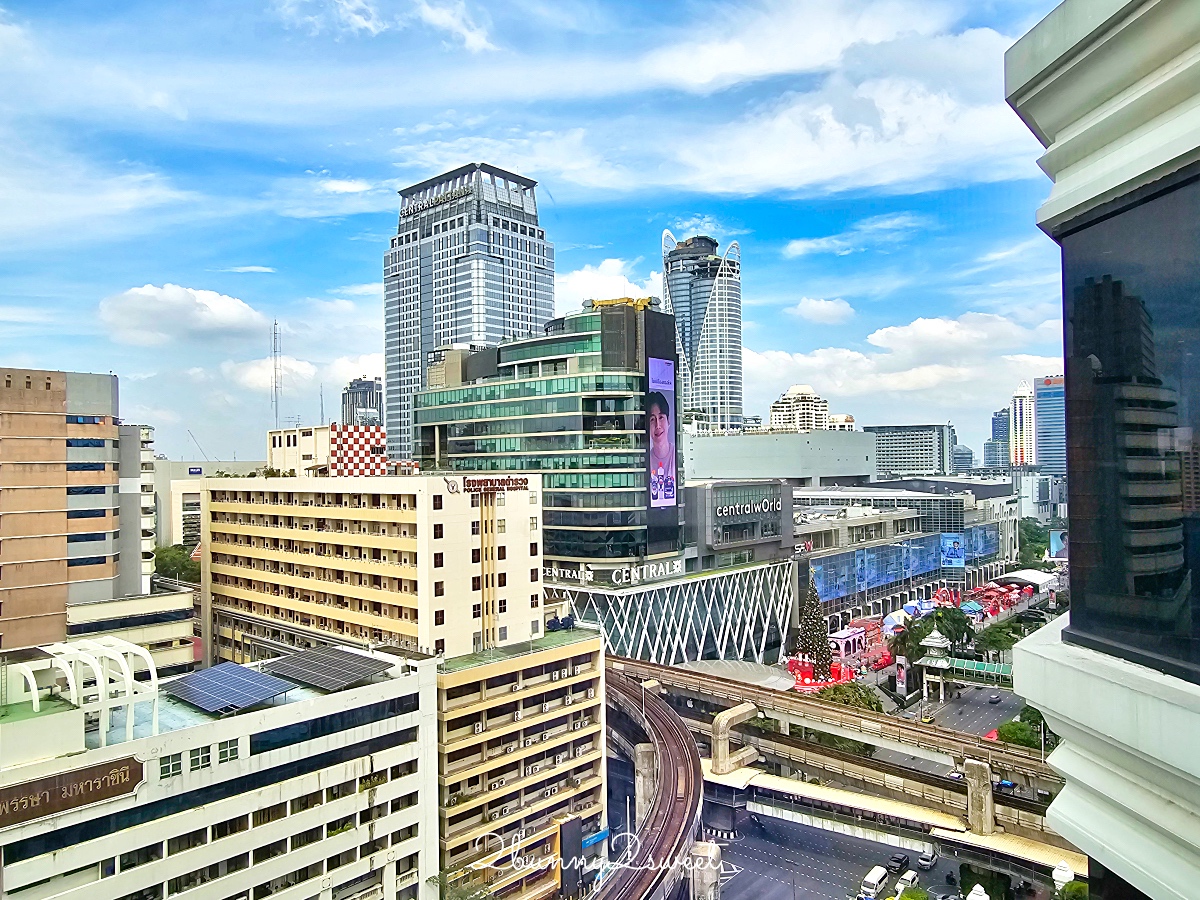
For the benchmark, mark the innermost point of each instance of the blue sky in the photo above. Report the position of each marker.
(173, 177)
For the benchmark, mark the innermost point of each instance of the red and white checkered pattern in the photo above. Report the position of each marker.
(350, 450)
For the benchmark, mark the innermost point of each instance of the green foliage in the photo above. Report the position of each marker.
(1034, 540)
(954, 624)
(914, 893)
(996, 884)
(176, 562)
(1031, 716)
(812, 639)
(457, 890)
(851, 693)
(1073, 890)
(1019, 733)
(1002, 636)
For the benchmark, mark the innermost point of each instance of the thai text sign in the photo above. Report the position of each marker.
(58, 793)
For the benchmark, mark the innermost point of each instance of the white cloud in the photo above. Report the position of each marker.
(152, 315)
(245, 269)
(612, 278)
(825, 312)
(702, 223)
(344, 368)
(453, 17)
(344, 185)
(315, 16)
(889, 229)
(375, 289)
(258, 374)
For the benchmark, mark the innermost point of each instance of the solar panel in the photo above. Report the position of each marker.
(226, 688)
(327, 668)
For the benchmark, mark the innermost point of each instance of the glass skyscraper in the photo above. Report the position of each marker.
(469, 265)
(1050, 422)
(703, 291)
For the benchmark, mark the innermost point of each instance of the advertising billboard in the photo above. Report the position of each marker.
(1058, 544)
(901, 676)
(660, 426)
(983, 540)
(953, 554)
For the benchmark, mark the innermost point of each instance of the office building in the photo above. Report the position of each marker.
(841, 422)
(703, 290)
(799, 408)
(177, 494)
(1107, 88)
(582, 403)
(912, 449)
(450, 565)
(995, 450)
(808, 458)
(328, 450)
(1050, 424)
(362, 402)
(962, 459)
(228, 783)
(136, 539)
(469, 265)
(1022, 428)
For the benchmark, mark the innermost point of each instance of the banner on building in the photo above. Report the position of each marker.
(953, 553)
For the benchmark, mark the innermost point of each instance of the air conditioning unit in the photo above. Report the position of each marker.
(528, 742)
(591, 693)
(518, 716)
(515, 688)
(554, 790)
(536, 768)
(569, 699)
(479, 728)
(505, 810)
(586, 721)
(500, 781)
(554, 676)
(564, 672)
(545, 707)
(546, 792)
(579, 751)
(579, 670)
(560, 758)
(453, 801)
(494, 816)
(494, 786)
(577, 782)
(510, 749)
(528, 770)
(546, 735)
(547, 850)
(575, 726)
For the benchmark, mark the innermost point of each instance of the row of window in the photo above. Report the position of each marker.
(199, 758)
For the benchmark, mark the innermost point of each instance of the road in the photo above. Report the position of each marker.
(773, 855)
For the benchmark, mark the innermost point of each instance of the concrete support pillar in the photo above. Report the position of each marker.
(724, 762)
(645, 771)
(705, 871)
(981, 809)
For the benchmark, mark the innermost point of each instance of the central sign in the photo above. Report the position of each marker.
(68, 790)
(766, 505)
(422, 205)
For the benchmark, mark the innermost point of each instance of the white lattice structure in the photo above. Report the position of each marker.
(704, 293)
(728, 614)
(357, 450)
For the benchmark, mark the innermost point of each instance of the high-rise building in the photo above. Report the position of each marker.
(138, 514)
(469, 264)
(995, 449)
(703, 290)
(362, 402)
(1050, 424)
(962, 458)
(328, 450)
(1118, 677)
(591, 402)
(1000, 425)
(841, 422)
(1022, 428)
(912, 449)
(799, 408)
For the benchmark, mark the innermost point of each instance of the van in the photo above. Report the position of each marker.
(874, 883)
(907, 880)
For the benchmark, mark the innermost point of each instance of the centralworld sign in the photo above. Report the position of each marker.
(429, 203)
(68, 790)
(767, 505)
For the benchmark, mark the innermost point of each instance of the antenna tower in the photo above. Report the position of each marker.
(276, 371)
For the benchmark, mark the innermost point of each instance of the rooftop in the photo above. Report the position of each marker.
(549, 641)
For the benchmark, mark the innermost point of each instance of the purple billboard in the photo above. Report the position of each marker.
(660, 425)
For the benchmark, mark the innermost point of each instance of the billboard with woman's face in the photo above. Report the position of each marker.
(660, 424)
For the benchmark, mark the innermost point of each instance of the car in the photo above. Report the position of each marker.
(909, 879)
(957, 776)
(927, 861)
(1005, 785)
(926, 719)
(995, 698)
(897, 863)
(979, 687)
(941, 893)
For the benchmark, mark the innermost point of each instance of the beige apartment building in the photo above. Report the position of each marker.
(448, 566)
(59, 499)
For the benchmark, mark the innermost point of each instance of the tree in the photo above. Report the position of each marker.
(1073, 890)
(457, 889)
(1019, 733)
(176, 562)
(1034, 539)
(915, 893)
(853, 694)
(813, 638)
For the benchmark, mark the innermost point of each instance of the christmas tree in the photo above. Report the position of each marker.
(813, 638)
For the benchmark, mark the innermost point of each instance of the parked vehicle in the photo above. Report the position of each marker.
(927, 861)
(995, 698)
(874, 883)
(907, 880)
(897, 863)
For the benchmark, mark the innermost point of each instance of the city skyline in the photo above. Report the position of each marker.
(899, 274)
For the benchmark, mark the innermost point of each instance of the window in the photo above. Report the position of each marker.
(439, 647)
(86, 513)
(533, 601)
(187, 841)
(437, 501)
(503, 635)
(439, 588)
(86, 561)
(501, 552)
(141, 857)
(533, 523)
(269, 814)
(85, 442)
(503, 607)
(533, 574)
(438, 560)
(79, 489)
(475, 555)
(533, 498)
(227, 751)
(499, 499)
(475, 527)
(439, 617)
(475, 501)
(534, 626)
(287, 735)
(502, 579)
(85, 467)
(533, 549)
(475, 582)
(86, 537)
(439, 531)
(230, 826)
(476, 610)
(201, 758)
(170, 766)
(499, 526)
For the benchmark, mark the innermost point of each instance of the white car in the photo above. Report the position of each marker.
(907, 880)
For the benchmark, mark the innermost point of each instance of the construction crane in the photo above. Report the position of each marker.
(638, 303)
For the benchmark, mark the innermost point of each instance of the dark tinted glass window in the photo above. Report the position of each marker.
(1131, 283)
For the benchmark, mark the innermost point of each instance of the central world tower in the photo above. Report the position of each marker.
(469, 265)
